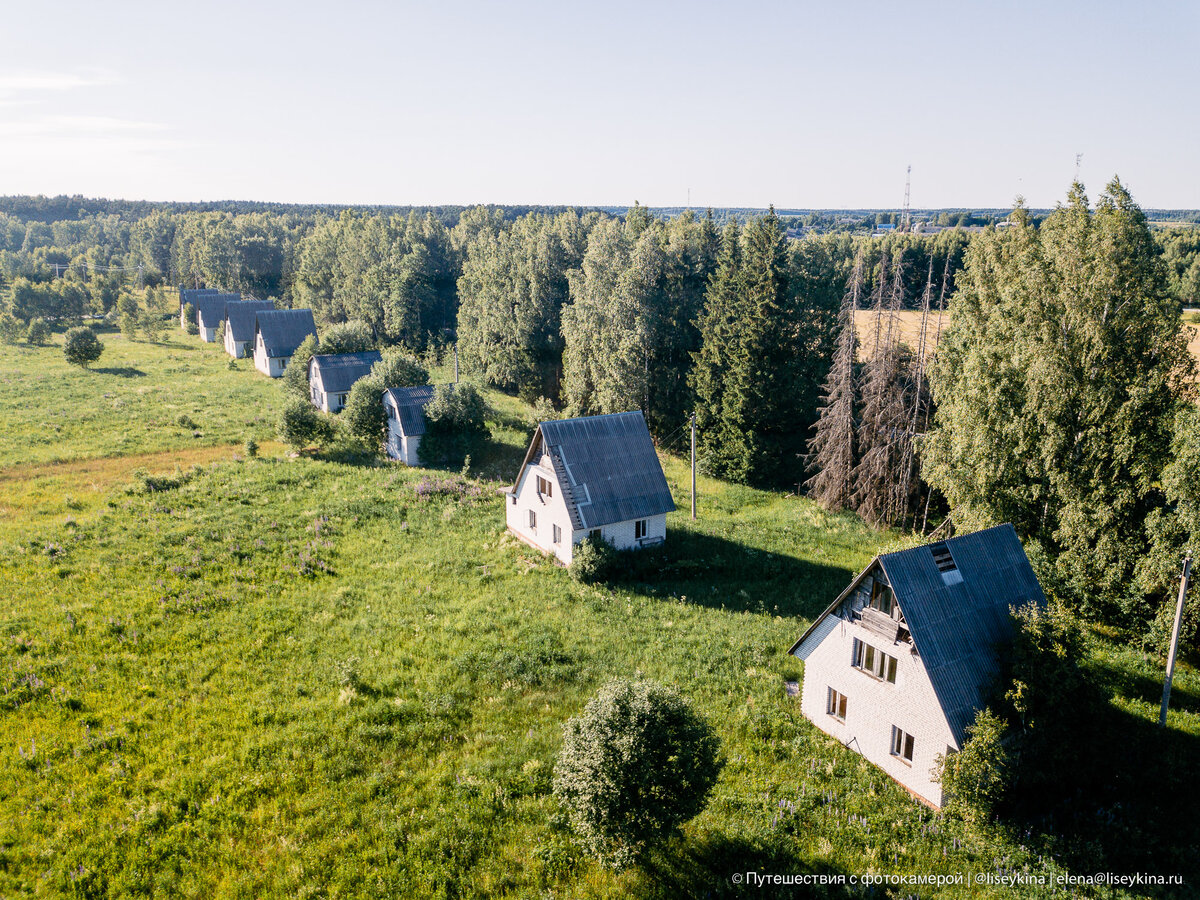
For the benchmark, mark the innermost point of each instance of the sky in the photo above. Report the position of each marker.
(803, 105)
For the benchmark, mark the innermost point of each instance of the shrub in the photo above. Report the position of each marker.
(300, 425)
(251, 447)
(544, 411)
(363, 415)
(635, 765)
(183, 420)
(10, 328)
(348, 337)
(152, 326)
(189, 318)
(38, 334)
(295, 376)
(399, 369)
(977, 777)
(454, 424)
(82, 347)
(593, 560)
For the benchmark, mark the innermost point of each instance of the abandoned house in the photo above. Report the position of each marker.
(277, 334)
(331, 375)
(210, 313)
(597, 476)
(900, 662)
(189, 296)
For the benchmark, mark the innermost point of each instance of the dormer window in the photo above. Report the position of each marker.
(545, 487)
(945, 563)
(882, 597)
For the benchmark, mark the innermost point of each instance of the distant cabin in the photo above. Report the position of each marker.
(900, 662)
(595, 476)
(190, 295)
(331, 375)
(210, 313)
(239, 325)
(405, 408)
(277, 334)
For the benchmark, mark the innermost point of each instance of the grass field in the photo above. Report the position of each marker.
(304, 677)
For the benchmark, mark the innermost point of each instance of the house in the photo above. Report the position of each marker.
(277, 334)
(331, 375)
(900, 662)
(210, 313)
(405, 408)
(239, 325)
(594, 476)
(190, 295)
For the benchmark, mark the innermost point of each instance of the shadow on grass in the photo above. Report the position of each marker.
(722, 574)
(1122, 799)
(719, 866)
(1142, 686)
(121, 372)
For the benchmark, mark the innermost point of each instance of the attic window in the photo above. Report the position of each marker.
(945, 563)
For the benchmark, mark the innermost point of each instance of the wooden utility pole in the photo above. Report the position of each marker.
(456, 362)
(693, 467)
(1183, 589)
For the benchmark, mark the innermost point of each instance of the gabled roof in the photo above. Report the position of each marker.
(189, 295)
(283, 330)
(210, 308)
(339, 371)
(958, 626)
(606, 466)
(410, 406)
(239, 317)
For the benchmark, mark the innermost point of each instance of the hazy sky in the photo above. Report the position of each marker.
(797, 104)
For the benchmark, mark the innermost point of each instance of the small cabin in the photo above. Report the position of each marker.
(277, 334)
(897, 666)
(405, 409)
(210, 313)
(189, 296)
(596, 476)
(331, 375)
(239, 325)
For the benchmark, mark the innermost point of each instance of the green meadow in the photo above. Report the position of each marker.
(324, 676)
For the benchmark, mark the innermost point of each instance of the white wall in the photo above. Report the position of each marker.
(553, 511)
(272, 366)
(236, 349)
(874, 706)
(208, 335)
(405, 449)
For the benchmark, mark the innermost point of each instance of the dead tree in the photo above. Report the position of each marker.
(831, 450)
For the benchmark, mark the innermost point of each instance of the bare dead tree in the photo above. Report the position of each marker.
(831, 450)
(916, 393)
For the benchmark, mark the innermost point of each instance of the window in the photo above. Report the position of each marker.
(902, 744)
(945, 563)
(532, 520)
(882, 597)
(595, 534)
(639, 529)
(544, 486)
(557, 532)
(874, 662)
(836, 705)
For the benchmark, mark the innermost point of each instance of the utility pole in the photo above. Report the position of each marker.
(1183, 589)
(456, 362)
(693, 467)
(904, 222)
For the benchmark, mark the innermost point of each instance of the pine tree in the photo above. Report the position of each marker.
(831, 450)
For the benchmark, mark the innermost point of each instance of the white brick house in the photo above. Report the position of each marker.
(405, 410)
(900, 662)
(277, 334)
(331, 375)
(597, 475)
(210, 313)
(239, 325)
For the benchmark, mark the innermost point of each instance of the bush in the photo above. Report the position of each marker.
(82, 347)
(152, 326)
(398, 369)
(251, 448)
(454, 424)
(635, 765)
(295, 376)
(544, 411)
(977, 777)
(363, 415)
(10, 328)
(349, 337)
(300, 424)
(593, 560)
(189, 318)
(38, 334)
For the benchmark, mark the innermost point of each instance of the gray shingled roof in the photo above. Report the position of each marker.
(339, 371)
(210, 308)
(958, 628)
(239, 317)
(410, 403)
(284, 330)
(189, 295)
(606, 466)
